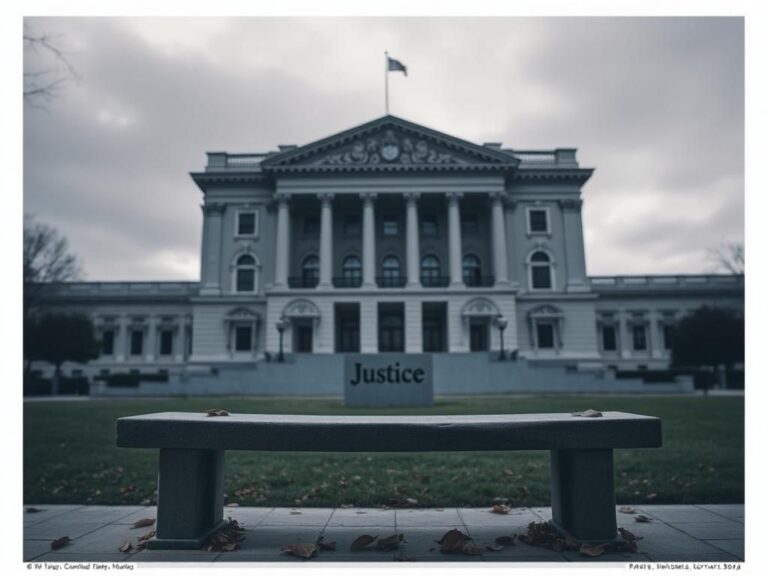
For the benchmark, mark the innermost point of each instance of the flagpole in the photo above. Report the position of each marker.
(386, 83)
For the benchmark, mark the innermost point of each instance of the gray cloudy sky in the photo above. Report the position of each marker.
(655, 105)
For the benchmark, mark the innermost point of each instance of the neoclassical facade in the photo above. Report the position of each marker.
(392, 237)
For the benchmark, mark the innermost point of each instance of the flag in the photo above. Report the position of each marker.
(396, 66)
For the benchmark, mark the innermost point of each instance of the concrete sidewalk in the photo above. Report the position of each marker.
(679, 533)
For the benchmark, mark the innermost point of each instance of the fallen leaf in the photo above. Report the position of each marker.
(505, 540)
(300, 550)
(217, 412)
(592, 551)
(651, 496)
(295, 512)
(509, 472)
(453, 542)
(412, 501)
(144, 522)
(543, 534)
(627, 510)
(322, 544)
(362, 542)
(60, 542)
(642, 518)
(126, 547)
(500, 509)
(231, 547)
(390, 542)
(32, 509)
(347, 506)
(494, 547)
(588, 413)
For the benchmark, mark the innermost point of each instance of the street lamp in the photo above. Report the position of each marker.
(281, 325)
(501, 324)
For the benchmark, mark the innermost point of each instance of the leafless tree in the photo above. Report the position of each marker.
(43, 83)
(47, 261)
(729, 257)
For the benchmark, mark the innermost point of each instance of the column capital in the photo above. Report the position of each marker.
(281, 197)
(213, 208)
(325, 197)
(497, 197)
(453, 197)
(368, 196)
(411, 197)
(570, 205)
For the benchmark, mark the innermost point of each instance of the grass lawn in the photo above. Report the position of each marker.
(70, 456)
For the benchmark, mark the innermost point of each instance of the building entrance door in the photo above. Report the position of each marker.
(478, 336)
(303, 338)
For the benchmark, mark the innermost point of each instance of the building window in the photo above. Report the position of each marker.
(311, 226)
(609, 338)
(429, 225)
(166, 342)
(390, 269)
(668, 331)
(243, 338)
(391, 226)
(469, 224)
(478, 335)
(352, 225)
(352, 271)
(538, 221)
(541, 271)
(247, 223)
(638, 337)
(545, 335)
(470, 266)
(310, 271)
(430, 270)
(107, 342)
(245, 274)
(137, 342)
(391, 328)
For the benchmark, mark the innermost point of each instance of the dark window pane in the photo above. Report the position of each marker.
(609, 338)
(246, 223)
(311, 226)
(545, 335)
(669, 334)
(638, 337)
(137, 342)
(478, 337)
(108, 342)
(538, 220)
(469, 224)
(311, 268)
(166, 342)
(541, 277)
(429, 226)
(352, 226)
(243, 338)
(391, 227)
(245, 280)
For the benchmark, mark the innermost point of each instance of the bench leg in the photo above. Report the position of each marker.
(583, 499)
(190, 498)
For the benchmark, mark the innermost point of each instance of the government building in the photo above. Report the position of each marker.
(392, 237)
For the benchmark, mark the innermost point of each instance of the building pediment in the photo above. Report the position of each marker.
(389, 144)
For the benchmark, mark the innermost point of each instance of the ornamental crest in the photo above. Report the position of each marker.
(390, 148)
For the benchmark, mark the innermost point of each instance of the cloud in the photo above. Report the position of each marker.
(655, 105)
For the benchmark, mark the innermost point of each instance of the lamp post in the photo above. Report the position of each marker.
(281, 325)
(501, 324)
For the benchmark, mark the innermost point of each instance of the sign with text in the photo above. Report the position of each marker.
(388, 380)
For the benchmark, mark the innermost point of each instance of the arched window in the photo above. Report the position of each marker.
(245, 274)
(430, 270)
(472, 272)
(310, 271)
(541, 271)
(351, 271)
(390, 272)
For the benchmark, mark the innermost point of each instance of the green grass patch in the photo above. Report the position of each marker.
(70, 456)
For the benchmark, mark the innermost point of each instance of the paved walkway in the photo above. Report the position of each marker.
(676, 533)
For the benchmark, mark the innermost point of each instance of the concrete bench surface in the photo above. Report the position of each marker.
(282, 432)
(192, 446)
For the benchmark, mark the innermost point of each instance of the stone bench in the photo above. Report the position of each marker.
(190, 491)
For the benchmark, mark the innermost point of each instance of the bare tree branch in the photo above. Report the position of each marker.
(728, 257)
(43, 85)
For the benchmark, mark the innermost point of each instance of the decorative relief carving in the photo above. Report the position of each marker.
(571, 205)
(213, 208)
(390, 148)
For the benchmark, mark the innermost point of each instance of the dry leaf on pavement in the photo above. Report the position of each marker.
(627, 510)
(362, 542)
(60, 542)
(390, 542)
(592, 551)
(32, 509)
(642, 518)
(505, 540)
(588, 413)
(323, 544)
(126, 547)
(500, 509)
(144, 522)
(301, 550)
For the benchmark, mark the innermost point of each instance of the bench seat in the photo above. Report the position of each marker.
(192, 446)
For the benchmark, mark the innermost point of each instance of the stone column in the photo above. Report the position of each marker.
(624, 336)
(509, 216)
(412, 239)
(369, 326)
(150, 348)
(121, 338)
(573, 237)
(211, 261)
(413, 327)
(500, 257)
(369, 240)
(282, 248)
(454, 239)
(181, 345)
(326, 240)
(653, 334)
